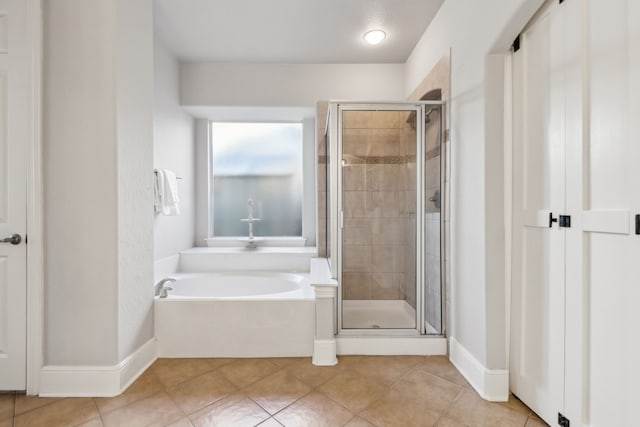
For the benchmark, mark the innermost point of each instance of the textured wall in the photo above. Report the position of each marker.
(98, 95)
(134, 107)
(80, 186)
(174, 149)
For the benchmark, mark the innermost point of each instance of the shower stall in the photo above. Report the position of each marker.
(384, 202)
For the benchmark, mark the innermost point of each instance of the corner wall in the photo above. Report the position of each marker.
(173, 149)
(80, 184)
(97, 142)
(475, 32)
(134, 121)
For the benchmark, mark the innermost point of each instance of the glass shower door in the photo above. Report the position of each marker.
(433, 161)
(379, 240)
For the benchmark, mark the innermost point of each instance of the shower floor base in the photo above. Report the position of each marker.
(378, 314)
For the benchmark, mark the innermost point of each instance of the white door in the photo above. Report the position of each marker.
(537, 299)
(612, 191)
(14, 95)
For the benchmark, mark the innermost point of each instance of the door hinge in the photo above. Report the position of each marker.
(563, 421)
(564, 221)
(638, 224)
(516, 44)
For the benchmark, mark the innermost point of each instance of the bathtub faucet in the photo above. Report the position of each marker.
(160, 289)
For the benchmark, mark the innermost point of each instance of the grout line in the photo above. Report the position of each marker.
(98, 411)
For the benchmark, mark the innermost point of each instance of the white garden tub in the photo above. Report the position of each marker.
(236, 314)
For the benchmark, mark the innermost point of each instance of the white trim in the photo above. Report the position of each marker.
(97, 381)
(324, 353)
(508, 198)
(491, 384)
(392, 346)
(34, 230)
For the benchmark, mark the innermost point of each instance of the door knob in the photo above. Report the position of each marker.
(552, 219)
(14, 239)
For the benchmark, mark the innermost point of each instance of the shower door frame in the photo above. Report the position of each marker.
(335, 110)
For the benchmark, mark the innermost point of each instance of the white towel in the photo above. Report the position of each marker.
(166, 192)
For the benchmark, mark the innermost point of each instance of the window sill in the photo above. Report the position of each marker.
(260, 241)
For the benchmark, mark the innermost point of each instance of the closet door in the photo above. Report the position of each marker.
(537, 303)
(612, 191)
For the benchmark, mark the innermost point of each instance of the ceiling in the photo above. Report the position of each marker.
(291, 31)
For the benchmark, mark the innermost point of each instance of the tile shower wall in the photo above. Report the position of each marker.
(379, 205)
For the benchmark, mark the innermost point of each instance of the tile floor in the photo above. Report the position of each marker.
(360, 391)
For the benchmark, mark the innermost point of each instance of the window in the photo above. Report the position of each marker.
(261, 162)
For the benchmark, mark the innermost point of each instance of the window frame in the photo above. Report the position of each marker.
(204, 186)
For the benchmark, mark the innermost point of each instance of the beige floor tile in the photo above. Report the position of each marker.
(358, 422)
(201, 391)
(396, 409)
(155, 410)
(235, 410)
(271, 422)
(171, 372)
(471, 409)
(6, 406)
(94, 422)
(450, 422)
(26, 403)
(516, 404)
(145, 386)
(288, 361)
(243, 372)
(64, 412)
(436, 393)
(353, 391)
(277, 391)
(313, 375)
(182, 422)
(314, 410)
(442, 367)
(386, 369)
(535, 422)
(7, 423)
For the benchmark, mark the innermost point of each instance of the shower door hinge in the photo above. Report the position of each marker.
(638, 224)
(563, 421)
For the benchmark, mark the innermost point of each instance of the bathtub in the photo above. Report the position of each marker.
(236, 314)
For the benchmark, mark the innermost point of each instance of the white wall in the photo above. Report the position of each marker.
(97, 171)
(134, 109)
(287, 85)
(80, 185)
(475, 32)
(173, 148)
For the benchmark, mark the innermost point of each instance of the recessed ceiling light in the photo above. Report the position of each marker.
(374, 36)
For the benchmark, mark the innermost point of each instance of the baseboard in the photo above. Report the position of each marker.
(491, 384)
(96, 381)
(391, 346)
